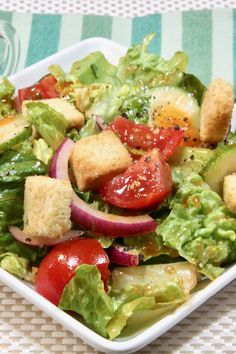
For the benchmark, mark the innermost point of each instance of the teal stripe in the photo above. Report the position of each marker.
(96, 26)
(234, 48)
(44, 38)
(6, 16)
(197, 43)
(144, 25)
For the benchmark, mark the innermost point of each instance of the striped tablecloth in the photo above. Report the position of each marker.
(207, 36)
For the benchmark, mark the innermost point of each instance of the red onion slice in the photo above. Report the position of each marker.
(20, 236)
(109, 224)
(59, 164)
(100, 123)
(93, 219)
(123, 255)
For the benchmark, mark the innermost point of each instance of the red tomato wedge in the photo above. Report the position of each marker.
(139, 136)
(45, 88)
(58, 267)
(48, 86)
(144, 184)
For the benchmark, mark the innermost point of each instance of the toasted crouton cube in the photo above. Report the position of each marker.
(74, 117)
(97, 158)
(216, 111)
(229, 192)
(47, 207)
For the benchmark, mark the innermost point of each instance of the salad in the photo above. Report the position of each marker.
(117, 186)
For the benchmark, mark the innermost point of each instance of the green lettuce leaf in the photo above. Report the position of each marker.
(144, 318)
(101, 99)
(200, 227)
(16, 265)
(135, 107)
(42, 151)
(85, 295)
(90, 128)
(105, 242)
(6, 102)
(57, 72)
(108, 313)
(118, 322)
(73, 134)
(139, 298)
(93, 68)
(162, 290)
(6, 88)
(50, 124)
(83, 195)
(8, 199)
(11, 212)
(15, 166)
(6, 108)
(149, 246)
(138, 65)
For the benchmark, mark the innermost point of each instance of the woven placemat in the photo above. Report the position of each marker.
(25, 329)
(209, 330)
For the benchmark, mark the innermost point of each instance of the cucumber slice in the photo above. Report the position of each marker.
(191, 159)
(219, 166)
(12, 132)
(171, 106)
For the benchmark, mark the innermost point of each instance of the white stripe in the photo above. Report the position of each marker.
(122, 31)
(71, 29)
(171, 34)
(222, 44)
(22, 24)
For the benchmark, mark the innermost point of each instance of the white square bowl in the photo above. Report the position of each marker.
(27, 77)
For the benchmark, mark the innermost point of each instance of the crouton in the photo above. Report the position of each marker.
(229, 192)
(97, 158)
(216, 111)
(74, 117)
(47, 207)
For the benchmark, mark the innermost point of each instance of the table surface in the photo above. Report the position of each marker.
(25, 329)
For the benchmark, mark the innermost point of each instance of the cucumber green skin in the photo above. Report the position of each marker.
(221, 165)
(18, 171)
(26, 133)
(191, 159)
